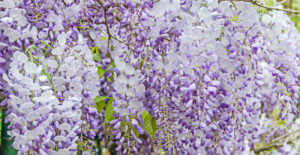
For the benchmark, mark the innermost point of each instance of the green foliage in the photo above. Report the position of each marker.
(281, 123)
(103, 38)
(275, 113)
(108, 79)
(100, 72)
(296, 20)
(109, 111)
(269, 2)
(234, 18)
(100, 102)
(6, 141)
(296, 17)
(95, 53)
(296, 5)
(141, 63)
(149, 123)
(135, 132)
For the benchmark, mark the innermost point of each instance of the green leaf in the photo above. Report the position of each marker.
(141, 63)
(275, 113)
(102, 39)
(108, 55)
(294, 19)
(100, 102)
(95, 49)
(96, 57)
(149, 123)
(269, 2)
(100, 72)
(287, 93)
(136, 133)
(109, 111)
(95, 53)
(235, 18)
(222, 29)
(281, 123)
(279, 84)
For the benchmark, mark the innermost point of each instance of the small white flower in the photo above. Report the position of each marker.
(51, 63)
(7, 4)
(30, 67)
(20, 57)
(45, 87)
(39, 131)
(6, 20)
(43, 78)
(239, 36)
(65, 126)
(60, 139)
(58, 50)
(62, 39)
(44, 109)
(266, 19)
(68, 1)
(32, 116)
(12, 34)
(71, 71)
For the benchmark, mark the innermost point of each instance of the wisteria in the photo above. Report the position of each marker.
(149, 77)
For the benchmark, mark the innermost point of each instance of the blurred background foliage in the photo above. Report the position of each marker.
(293, 5)
(287, 4)
(296, 17)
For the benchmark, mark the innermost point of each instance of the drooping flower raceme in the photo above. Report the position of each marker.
(30, 103)
(184, 77)
(75, 81)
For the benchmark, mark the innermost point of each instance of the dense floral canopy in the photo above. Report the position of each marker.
(148, 76)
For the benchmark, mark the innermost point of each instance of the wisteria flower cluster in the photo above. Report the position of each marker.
(149, 77)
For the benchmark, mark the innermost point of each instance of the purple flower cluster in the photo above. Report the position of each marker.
(171, 76)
